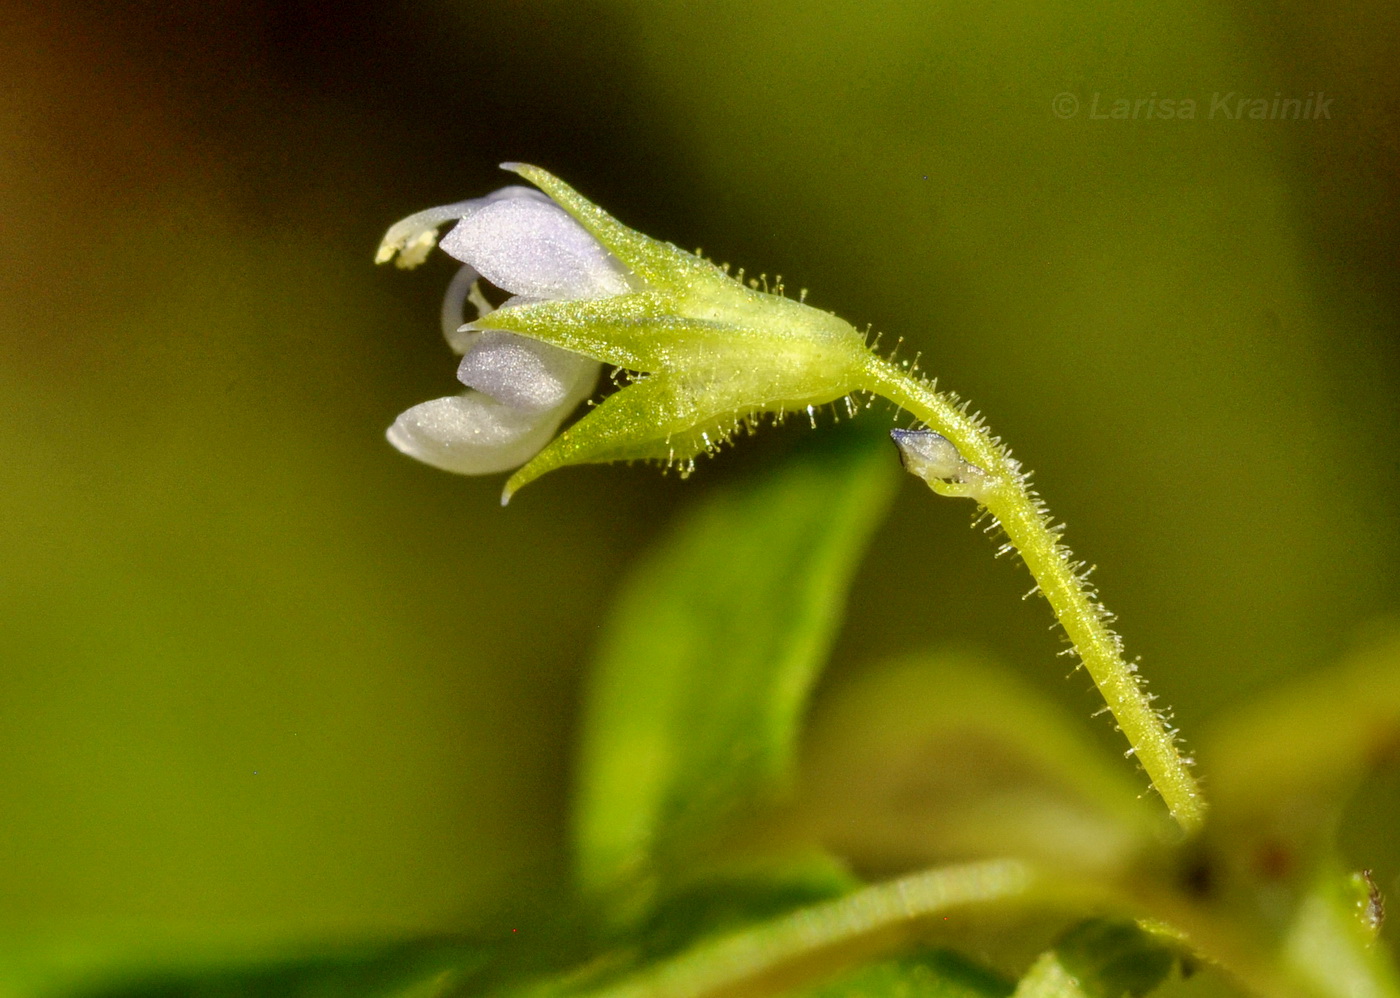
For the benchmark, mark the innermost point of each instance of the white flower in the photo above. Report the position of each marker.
(518, 389)
(706, 355)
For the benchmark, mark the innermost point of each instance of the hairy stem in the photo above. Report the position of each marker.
(1001, 488)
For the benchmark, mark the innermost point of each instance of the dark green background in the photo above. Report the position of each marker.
(263, 677)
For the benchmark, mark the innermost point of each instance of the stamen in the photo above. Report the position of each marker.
(414, 237)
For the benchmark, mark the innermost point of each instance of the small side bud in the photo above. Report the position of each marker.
(927, 454)
(933, 457)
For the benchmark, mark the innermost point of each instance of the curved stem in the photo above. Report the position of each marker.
(777, 956)
(1004, 493)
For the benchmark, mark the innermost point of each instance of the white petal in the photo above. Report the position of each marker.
(412, 238)
(526, 373)
(534, 248)
(472, 434)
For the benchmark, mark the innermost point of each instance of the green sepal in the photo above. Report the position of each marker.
(639, 332)
(719, 326)
(661, 265)
(718, 352)
(675, 417)
(651, 419)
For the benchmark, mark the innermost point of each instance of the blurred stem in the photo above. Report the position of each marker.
(1004, 493)
(778, 956)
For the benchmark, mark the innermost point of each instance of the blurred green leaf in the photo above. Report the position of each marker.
(415, 968)
(709, 657)
(1281, 769)
(1048, 978)
(946, 756)
(935, 974)
(1112, 958)
(1100, 958)
(1331, 946)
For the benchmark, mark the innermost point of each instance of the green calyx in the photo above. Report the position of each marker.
(707, 354)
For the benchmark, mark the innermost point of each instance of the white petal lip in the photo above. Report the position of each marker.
(471, 434)
(474, 434)
(535, 248)
(519, 389)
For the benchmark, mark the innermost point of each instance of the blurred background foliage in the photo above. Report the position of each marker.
(263, 677)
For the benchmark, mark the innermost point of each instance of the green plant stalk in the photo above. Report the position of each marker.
(780, 955)
(716, 353)
(1005, 494)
